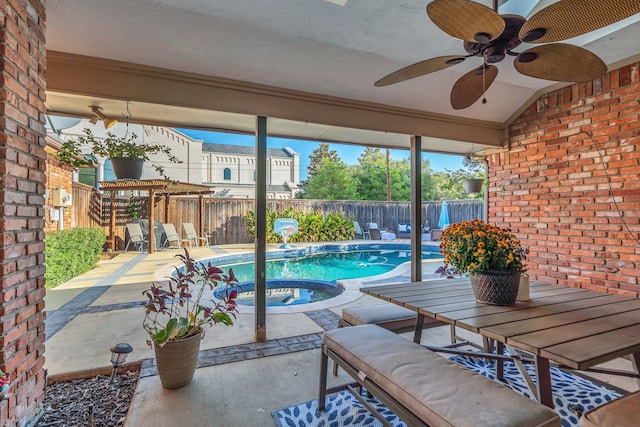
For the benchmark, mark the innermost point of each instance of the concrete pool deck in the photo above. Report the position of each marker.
(238, 382)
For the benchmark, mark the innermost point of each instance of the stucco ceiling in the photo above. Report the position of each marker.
(310, 45)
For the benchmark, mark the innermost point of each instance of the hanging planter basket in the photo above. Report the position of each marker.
(127, 167)
(472, 185)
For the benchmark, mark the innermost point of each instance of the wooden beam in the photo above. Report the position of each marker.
(201, 216)
(112, 222)
(167, 218)
(152, 210)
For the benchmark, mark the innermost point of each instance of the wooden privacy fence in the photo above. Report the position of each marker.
(224, 219)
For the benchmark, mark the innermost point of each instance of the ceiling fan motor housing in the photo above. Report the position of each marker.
(495, 50)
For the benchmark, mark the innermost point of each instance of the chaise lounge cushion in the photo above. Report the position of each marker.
(438, 391)
(624, 411)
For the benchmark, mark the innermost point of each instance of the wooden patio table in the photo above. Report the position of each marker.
(577, 328)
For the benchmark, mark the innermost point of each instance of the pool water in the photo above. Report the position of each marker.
(330, 266)
(312, 278)
(281, 293)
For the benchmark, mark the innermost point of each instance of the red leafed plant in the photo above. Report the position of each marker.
(4, 379)
(174, 313)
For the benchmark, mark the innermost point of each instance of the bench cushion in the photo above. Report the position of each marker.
(437, 390)
(389, 316)
(624, 411)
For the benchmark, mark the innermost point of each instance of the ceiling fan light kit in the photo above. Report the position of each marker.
(491, 36)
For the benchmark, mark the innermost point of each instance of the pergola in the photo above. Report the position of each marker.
(154, 187)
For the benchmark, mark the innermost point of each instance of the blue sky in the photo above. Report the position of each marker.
(348, 153)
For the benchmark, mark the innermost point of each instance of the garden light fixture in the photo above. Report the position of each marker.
(119, 354)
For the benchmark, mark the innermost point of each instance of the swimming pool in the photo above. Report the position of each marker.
(303, 277)
(329, 266)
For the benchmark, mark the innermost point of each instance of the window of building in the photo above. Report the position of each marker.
(227, 174)
(205, 169)
(254, 175)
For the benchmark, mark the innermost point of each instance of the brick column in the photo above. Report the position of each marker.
(22, 184)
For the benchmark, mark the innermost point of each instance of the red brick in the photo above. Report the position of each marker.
(552, 190)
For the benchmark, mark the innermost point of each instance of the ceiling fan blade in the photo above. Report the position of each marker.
(420, 69)
(469, 88)
(466, 20)
(561, 62)
(571, 18)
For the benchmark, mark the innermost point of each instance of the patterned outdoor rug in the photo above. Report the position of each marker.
(570, 392)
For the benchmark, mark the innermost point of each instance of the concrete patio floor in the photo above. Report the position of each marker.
(238, 382)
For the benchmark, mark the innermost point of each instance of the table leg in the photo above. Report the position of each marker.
(543, 375)
(500, 362)
(417, 335)
(635, 361)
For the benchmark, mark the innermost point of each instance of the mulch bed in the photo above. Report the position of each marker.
(89, 402)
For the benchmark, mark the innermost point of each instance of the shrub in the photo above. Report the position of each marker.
(69, 253)
(312, 226)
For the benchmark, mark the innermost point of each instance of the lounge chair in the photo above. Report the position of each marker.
(190, 234)
(365, 234)
(171, 236)
(374, 231)
(404, 230)
(135, 236)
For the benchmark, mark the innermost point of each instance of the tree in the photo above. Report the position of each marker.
(331, 181)
(371, 175)
(318, 156)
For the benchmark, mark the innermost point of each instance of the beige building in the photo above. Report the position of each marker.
(229, 169)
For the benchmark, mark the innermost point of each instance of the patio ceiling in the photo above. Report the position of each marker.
(300, 51)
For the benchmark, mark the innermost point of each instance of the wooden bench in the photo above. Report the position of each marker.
(421, 387)
(389, 316)
(624, 411)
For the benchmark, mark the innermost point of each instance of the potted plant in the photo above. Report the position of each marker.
(176, 318)
(492, 256)
(125, 154)
(472, 185)
(4, 385)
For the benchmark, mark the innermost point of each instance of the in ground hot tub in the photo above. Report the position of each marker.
(287, 292)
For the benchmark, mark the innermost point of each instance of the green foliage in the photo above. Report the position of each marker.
(132, 211)
(330, 182)
(112, 146)
(328, 177)
(69, 253)
(312, 226)
(371, 175)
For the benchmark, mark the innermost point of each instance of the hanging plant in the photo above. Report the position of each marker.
(77, 152)
(472, 185)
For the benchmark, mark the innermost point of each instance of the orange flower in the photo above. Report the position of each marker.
(473, 246)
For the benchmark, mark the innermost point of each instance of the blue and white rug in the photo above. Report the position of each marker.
(570, 392)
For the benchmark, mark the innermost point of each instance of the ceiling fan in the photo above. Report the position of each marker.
(491, 36)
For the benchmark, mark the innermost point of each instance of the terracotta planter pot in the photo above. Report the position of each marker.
(496, 287)
(127, 167)
(176, 361)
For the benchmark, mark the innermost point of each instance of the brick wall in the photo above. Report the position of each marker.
(59, 175)
(22, 172)
(570, 177)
